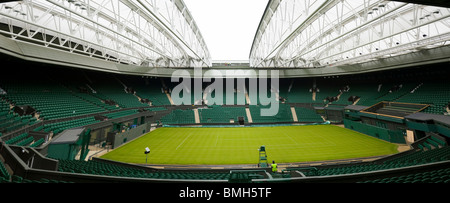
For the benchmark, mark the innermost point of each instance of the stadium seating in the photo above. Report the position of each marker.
(393, 136)
(434, 176)
(326, 90)
(57, 128)
(284, 114)
(307, 115)
(100, 168)
(62, 98)
(25, 140)
(19, 179)
(4, 174)
(50, 100)
(148, 88)
(93, 98)
(109, 169)
(10, 121)
(121, 114)
(410, 159)
(117, 94)
(299, 92)
(238, 98)
(394, 95)
(179, 117)
(435, 94)
(219, 114)
(38, 143)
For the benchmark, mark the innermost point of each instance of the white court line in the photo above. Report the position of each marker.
(291, 138)
(183, 141)
(284, 146)
(217, 140)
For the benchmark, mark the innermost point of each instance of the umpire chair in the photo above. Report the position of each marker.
(263, 163)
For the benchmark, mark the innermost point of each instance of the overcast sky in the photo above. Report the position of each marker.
(228, 26)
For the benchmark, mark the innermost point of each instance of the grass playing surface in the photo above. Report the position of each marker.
(224, 146)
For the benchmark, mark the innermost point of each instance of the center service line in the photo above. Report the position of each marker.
(183, 141)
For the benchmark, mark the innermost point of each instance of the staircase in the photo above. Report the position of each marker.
(356, 102)
(294, 114)
(92, 89)
(249, 115)
(247, 98)
(196, 115)
(170, 98)
(164, 89)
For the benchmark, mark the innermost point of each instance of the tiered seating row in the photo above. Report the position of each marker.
(219, 114)
(416, 158)
(435, 176)
(179, 117)
(436, 94)
(150, 89)
(307, 115)
(431, 143)
(4, 174)
(97, 101)
(108, 87)
(99, 168)
(55, 105)
(25, 140)
(10, 121)
(19, 179)
(284, 114)
(60, 127)
(121, 114)
(106, 169)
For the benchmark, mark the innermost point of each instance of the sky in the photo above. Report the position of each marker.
(227, 26)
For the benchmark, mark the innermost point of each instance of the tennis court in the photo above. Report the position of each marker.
(239, 145)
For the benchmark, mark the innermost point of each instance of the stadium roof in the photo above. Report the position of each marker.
(145, 33)
(155, 37)
(324, 33)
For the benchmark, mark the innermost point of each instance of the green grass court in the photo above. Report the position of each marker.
(226, 146)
